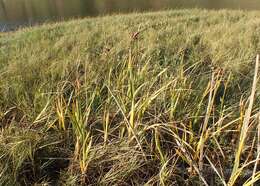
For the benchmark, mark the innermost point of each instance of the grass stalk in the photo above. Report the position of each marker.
(245, 126)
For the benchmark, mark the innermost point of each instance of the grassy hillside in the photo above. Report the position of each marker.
(141, 99)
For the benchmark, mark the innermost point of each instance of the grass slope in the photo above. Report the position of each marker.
(141, 99)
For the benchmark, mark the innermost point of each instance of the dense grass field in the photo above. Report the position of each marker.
(167, 98)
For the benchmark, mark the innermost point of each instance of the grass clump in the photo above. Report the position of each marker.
(142, 99)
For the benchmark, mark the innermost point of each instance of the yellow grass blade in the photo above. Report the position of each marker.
(244, 129)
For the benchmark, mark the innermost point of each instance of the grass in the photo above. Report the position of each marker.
(167, 98)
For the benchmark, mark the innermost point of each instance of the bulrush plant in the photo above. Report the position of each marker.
(172, 104)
